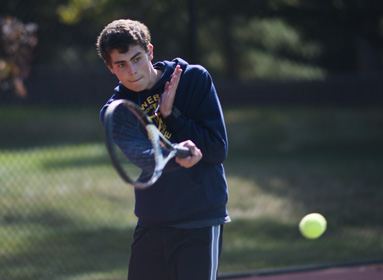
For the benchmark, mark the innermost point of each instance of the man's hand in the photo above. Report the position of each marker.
(170, 92)
(193, 159)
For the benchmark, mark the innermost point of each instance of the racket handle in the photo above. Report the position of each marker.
(182, 152)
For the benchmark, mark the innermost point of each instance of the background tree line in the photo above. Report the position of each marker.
(241, 40)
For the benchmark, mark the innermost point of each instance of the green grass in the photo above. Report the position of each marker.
(287, 162)
(65, 214)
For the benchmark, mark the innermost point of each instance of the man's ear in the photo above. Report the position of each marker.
(150, 52)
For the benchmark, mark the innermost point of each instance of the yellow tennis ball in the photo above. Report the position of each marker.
(313, 225)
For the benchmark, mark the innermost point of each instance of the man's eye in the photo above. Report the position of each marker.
(121, 65)
(136, 59)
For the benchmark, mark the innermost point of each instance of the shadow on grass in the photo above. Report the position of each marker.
(267, 243)
(79, 162)
(347, 189)
(35, 127)
(62, 254)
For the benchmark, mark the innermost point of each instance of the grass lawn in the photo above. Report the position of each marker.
(65, 214)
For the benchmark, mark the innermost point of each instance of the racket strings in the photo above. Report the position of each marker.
(138, 150)
(132, 140)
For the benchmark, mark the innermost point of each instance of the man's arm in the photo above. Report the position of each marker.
(201, 119)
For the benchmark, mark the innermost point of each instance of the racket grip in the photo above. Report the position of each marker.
(183, 152)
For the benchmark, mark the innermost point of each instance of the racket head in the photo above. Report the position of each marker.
(132, 146)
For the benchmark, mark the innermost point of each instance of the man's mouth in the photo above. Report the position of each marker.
(135, 81)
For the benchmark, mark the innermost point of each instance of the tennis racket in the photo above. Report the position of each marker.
(138, 150)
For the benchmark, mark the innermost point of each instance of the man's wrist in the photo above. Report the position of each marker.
(175, 114)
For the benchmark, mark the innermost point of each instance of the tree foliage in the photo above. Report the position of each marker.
(17, 41)
(245, 39)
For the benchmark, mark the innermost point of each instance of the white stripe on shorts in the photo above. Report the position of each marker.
(215, 235)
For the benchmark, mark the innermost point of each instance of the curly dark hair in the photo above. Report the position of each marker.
(120, 35)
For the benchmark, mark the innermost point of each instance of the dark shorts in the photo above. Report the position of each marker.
(168, 253)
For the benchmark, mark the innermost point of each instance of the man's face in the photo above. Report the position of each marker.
(134, 68)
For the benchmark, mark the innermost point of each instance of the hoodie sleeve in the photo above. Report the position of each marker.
(202, 119)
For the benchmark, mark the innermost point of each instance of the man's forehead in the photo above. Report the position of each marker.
(133, 51)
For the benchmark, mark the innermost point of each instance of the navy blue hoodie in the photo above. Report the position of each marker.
(185, 197)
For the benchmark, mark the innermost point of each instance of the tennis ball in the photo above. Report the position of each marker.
(313, 225)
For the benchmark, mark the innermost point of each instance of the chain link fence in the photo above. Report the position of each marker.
(64, 212)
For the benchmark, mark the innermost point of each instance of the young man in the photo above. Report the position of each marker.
(179, 229)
